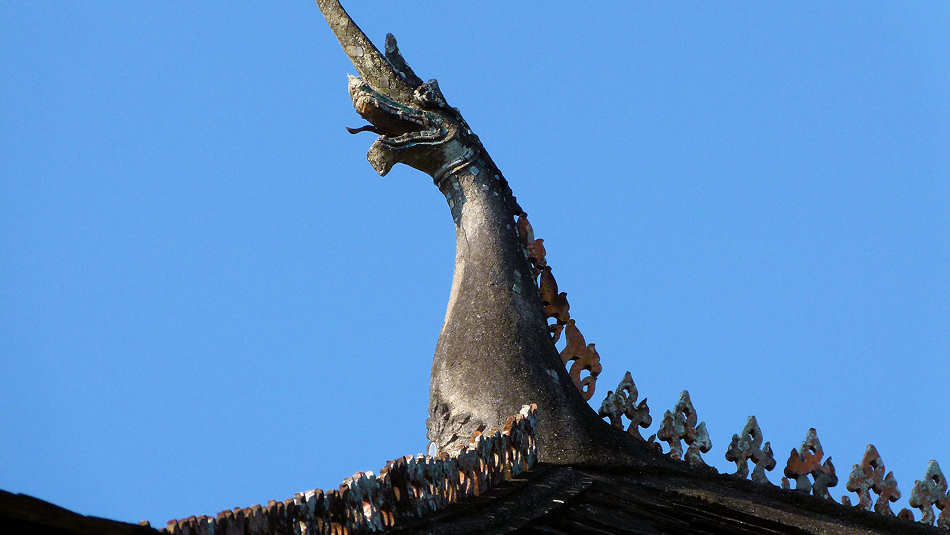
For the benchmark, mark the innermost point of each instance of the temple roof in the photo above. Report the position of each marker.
(568, 500)
(510, 338)
(547, 499)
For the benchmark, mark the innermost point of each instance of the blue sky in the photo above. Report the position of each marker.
(208, 299)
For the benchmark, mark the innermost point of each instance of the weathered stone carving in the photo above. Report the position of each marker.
(583, 357)
(533, 248)
(408, 487)
(681, 425)
(806, 461)
(555, 304)
(556, 307)
(868, 476)
(748, 445)
(496, 323)
(623, 402)
(932, 491)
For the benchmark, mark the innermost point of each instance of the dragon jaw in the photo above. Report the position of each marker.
(420, 138)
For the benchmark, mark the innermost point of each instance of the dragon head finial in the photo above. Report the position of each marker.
(495, 349)
(415, 124)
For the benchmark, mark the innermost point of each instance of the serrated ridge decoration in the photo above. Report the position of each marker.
(929, 492)
(406, 488)
(748, 446)
(806, 461)
(621, 403)
(680, 425)
(583, 358)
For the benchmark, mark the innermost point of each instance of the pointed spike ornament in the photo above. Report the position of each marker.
(681, 425)
(623, 402)
(398, 63)
(748, 446)
(868, 476)
(930, 491)
(804, 462)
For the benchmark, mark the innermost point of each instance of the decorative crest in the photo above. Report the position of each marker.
(681, 425)
(868, 476)
(584, 358)
(930, 491)
(555, 304)
(623, 402)
(577, 351)
(747, 446)
(805, 461)
(406, 488)
(533, 248)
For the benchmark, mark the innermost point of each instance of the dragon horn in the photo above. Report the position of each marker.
(371, 65)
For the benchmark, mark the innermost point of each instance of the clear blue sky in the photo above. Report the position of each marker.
(208, 299)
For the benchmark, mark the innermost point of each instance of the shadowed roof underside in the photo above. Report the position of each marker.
(571, 500)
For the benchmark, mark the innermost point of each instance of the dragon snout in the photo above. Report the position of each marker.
(386, 116)
(407, 134)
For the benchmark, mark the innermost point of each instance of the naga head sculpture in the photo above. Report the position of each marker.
(416, 126)
(495, 351)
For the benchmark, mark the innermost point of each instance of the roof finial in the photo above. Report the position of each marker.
(804, 462)
(748, 446)
(681, 425)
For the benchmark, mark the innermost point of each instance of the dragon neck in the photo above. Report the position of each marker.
(495, 352)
